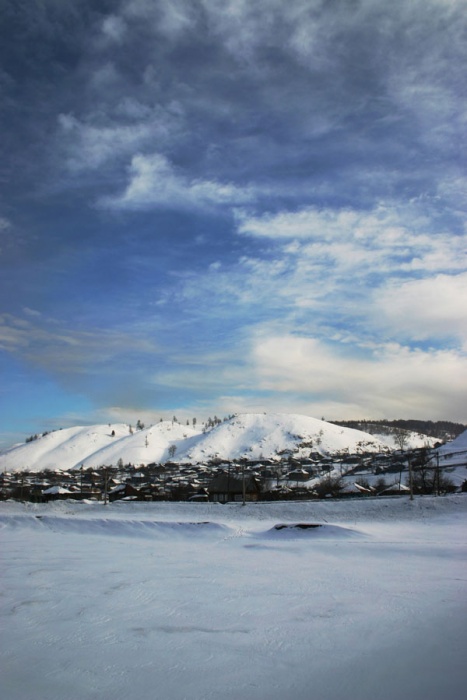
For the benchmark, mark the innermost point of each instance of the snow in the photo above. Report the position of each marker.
(254, 436)
(454, 453)
(55, 490)
(200, 601)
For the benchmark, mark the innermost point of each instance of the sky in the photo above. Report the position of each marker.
(212, 207)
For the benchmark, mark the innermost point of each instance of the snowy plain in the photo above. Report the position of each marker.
(178, 601)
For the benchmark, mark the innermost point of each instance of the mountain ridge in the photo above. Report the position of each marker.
(248, 435)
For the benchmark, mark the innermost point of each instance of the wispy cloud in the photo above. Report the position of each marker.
(89, 146)
(154, 182)
(68, 352)
(114, 29)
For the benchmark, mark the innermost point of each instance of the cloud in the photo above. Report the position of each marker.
(32, 312)
(114, 29)
(425, 309)
(90, 147)
(390, 381)
(67, 352)
(154, 182)
(391, 274)
(391, 238)
(169, 17)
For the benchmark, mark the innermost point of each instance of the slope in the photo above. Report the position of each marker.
(267, 435)
(252, 436)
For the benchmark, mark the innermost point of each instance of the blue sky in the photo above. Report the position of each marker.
(213, 207)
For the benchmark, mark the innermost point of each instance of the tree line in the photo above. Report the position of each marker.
(442, 430)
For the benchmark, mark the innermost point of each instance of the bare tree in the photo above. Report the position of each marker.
(329, 486)
(401, 437)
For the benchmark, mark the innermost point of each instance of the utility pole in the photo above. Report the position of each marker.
(106, 477)
(243, 484)
(410, 478)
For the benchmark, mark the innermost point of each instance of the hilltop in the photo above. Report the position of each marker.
(252, 436)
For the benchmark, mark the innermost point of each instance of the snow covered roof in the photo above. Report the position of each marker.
(54, 490)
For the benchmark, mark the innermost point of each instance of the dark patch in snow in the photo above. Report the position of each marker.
(301, 526)
(317, 530)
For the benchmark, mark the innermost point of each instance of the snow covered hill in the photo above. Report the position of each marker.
(267, 435)
(455, 452)
(254, 436)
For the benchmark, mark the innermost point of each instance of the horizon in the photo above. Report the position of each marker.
(211, 210)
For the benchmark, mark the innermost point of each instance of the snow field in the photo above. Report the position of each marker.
(145, 601)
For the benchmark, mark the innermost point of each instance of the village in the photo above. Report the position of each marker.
(287, 478)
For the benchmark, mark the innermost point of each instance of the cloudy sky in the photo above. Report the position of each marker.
(218, 206)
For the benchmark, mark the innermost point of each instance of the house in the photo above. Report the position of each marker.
(55, 493)
(124, 491)
(298, 475)
(395, 490)
(229, 487)
(355, 489)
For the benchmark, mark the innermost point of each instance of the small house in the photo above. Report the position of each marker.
(229, 487)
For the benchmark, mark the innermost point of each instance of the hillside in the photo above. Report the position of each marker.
(455, 452)
(253, 436)
(268, 435)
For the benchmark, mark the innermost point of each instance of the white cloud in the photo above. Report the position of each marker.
(392, 380)
(424, 309)
(154, 182)
(390, 238)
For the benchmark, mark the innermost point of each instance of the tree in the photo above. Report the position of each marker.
(401, 437)
(426, 479)
(361, 481)
(139, 425)
(329, 486)
(380, 484)
(172, 451)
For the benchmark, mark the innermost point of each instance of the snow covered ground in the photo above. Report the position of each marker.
(172, 601)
